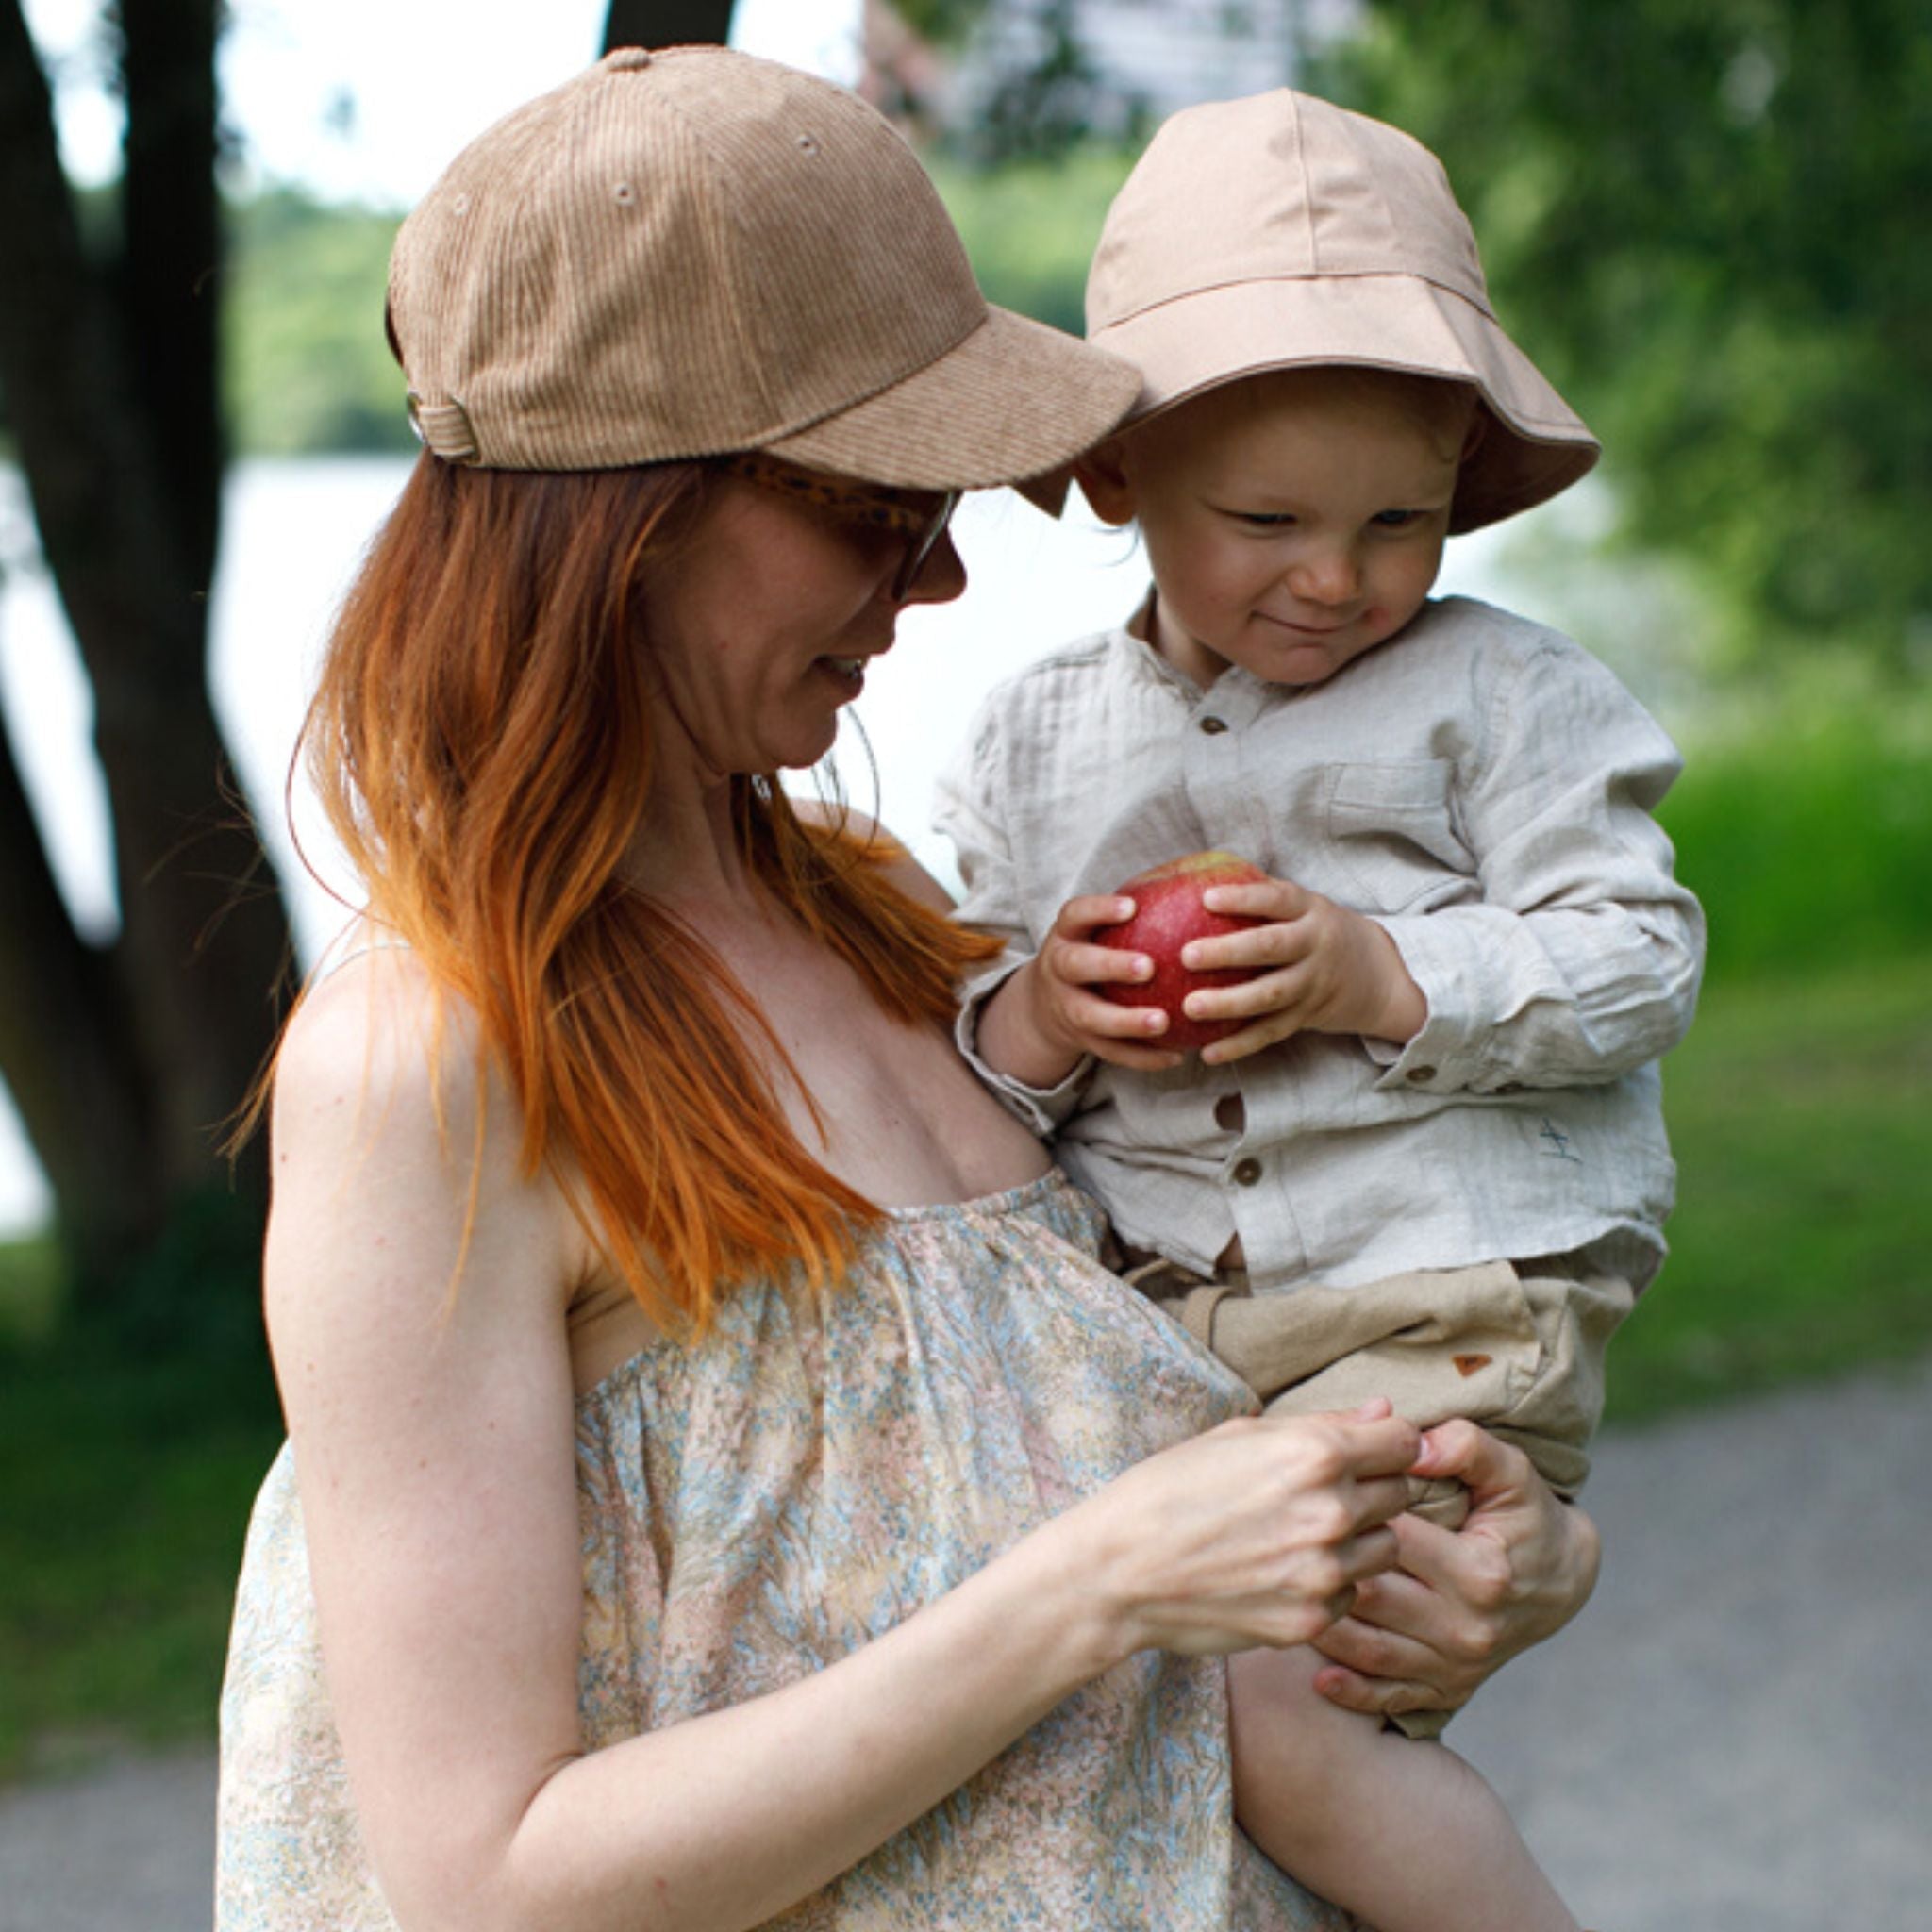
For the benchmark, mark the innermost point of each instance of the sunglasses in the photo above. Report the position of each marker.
(920, 516)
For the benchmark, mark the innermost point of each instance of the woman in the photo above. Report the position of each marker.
(724, 1487)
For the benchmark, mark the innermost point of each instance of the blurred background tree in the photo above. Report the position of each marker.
(666, 23)
(127, 1053)
(1710, 223)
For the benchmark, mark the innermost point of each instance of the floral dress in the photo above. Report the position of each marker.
(758, 1505)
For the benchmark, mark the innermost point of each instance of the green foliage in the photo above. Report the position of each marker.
(1808, 839)
(1800, 1107)
(1707, 224)
(195, 1294)
(1041, 109)
(1799, 1116)
(32, 1284)
(1030, 226)
(308, 371)
(944, 23)
(128, 1484)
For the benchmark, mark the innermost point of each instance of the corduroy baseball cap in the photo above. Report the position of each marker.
(1281, 231)
(684, 253)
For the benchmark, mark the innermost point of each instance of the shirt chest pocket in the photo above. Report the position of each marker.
(1393, 834)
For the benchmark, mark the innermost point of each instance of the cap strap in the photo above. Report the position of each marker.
(443, 429)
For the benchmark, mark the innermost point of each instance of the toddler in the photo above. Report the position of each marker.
(1430, 1164)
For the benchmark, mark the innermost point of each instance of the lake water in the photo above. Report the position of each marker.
(294, 533)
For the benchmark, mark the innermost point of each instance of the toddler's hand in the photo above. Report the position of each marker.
(1326, 969)
(1061, 1005)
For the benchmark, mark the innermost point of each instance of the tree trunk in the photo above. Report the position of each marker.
(110, 391)
(71, 1062)
(667, 23)
(169, 285)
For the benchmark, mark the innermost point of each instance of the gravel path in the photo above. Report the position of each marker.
(1735, 1737)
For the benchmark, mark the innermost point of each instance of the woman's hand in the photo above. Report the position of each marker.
(1461, 1604)
(1260, 1532)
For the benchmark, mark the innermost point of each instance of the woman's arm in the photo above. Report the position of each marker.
(433, 1435)
(724, 1821)
(1461, 1604)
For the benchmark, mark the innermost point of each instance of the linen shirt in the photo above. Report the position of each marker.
(1479, 786)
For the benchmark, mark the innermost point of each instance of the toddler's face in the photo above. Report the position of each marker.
(1293, 520)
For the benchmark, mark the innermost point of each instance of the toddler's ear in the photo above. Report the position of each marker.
(1102, 477)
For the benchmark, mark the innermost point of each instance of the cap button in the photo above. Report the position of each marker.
(628, 59)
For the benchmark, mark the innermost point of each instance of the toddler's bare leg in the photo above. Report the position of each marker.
(1403, 1834)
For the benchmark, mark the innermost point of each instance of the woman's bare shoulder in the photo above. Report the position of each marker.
(376, 1047)
(405, 1229)
(901, 867)
(387, 1112)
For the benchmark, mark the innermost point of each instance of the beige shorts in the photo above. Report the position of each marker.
(1516, 1346)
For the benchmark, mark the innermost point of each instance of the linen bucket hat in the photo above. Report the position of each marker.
(1281, 231)
(686, 253)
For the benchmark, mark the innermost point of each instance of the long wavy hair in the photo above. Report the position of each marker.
(482, 742)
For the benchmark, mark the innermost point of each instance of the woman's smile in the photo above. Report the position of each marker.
(848, 673)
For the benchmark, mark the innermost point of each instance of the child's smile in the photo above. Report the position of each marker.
(1293, 520)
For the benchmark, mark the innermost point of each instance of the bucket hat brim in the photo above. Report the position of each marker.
(1014, 399)
(1536, 445)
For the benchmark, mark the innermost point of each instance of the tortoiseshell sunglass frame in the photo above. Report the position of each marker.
(919, 516)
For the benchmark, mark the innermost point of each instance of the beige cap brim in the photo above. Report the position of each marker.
(1536, 447)
(1012, 400)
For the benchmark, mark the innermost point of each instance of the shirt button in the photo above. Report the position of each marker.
(1230, 1113)
(1510, 1087)
(1420, 1076)
(1213, 727)
(1247, 1173)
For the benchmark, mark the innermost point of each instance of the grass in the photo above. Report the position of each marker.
(127, 1486)
(1800, 1118)
(29, 1293)
(1807, 831)
(1800, 1107)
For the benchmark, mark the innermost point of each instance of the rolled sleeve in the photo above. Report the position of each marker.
(1042, 1108)
(1485, 981)
(969, 807)
(1582, 962)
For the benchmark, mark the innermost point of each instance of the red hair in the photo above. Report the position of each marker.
(482, 742)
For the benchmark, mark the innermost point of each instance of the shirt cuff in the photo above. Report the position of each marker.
(1042, 1108)
(1464, 973)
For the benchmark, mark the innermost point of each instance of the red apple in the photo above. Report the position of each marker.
(1167, 913)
